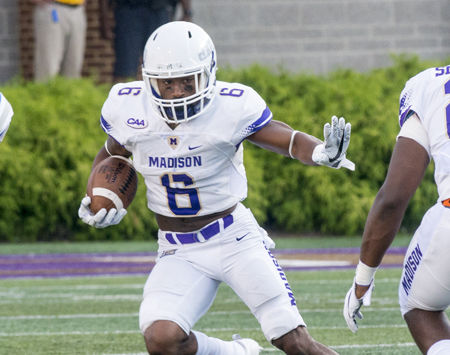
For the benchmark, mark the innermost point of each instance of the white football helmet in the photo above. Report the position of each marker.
(6, 112)
(178, 49)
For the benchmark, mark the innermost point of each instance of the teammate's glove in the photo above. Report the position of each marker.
(102, 218)
(332, 151)
(352, 305)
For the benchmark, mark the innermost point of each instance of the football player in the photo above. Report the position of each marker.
(424, 289)
(6, 113)
(185, 131)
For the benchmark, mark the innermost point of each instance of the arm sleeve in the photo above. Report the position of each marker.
(414, 129)
(255, 114)
(410, 99)
(111, 116)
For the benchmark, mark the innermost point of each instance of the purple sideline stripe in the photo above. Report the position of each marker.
(74, 255)
(337, 267)
(48, 265)
(392, 250)
(71, 265)
(80, 274)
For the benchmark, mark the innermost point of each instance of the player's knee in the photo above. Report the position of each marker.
(278, 317)
(163, 337)
(441, 347)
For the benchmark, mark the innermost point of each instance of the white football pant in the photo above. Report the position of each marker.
(183, 284)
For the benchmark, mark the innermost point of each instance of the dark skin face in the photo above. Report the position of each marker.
(176, 88)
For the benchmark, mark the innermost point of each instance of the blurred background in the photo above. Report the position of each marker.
(309, 59)
(317, 36)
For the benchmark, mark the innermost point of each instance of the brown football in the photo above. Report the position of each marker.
(112, 184)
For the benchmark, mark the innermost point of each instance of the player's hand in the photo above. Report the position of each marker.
(102, 218)
(332, 151)
(352, 305)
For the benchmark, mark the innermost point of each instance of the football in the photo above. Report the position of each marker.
(112, 184)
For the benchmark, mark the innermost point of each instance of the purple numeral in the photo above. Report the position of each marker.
(442, 70)
(128, 91)
(231, 92)
(172, 193)
(447, 109)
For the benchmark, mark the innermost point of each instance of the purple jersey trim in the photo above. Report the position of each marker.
(105, 125)
(404, 116)
(261, 122)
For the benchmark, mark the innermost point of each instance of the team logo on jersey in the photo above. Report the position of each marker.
(136, 123)
(173, 141)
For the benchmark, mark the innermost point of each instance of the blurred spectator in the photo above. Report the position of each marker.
(135, 20)
(60, 37)
(186, 14)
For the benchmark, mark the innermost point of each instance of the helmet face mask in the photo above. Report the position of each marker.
(177, 50)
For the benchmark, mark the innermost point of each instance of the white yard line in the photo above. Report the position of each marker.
(9, 290)
(368, 346)
(336, 347)
(73, 287)
(70, 316)
(135, 314)
(26, 334)
(206, 330)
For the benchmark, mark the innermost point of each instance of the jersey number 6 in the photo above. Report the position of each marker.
(175, 194)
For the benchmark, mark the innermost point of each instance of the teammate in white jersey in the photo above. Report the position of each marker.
(185, 131)
(6, 113)
(424, 290)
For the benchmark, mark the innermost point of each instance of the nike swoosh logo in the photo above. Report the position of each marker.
(192, 148)
(240, 238)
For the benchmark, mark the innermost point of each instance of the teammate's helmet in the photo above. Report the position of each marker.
(178, 49)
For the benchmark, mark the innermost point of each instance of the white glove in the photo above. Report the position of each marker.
(102, 218)
(332, 151)
(352, 305)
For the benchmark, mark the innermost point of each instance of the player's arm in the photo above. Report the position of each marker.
(111, 147)
(406, 170)
(409, 161)
(103, 218)
(278, 137)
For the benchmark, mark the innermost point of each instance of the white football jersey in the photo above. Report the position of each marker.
(428, 95)
(197, 168)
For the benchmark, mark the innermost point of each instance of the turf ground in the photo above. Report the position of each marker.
(98, 314)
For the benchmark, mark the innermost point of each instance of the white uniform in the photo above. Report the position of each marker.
(194, 170)
(425, 283)
(6, 113)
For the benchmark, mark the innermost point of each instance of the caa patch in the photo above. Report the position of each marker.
(137, 123)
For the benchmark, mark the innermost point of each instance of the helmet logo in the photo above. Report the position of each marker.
(170, 66)
(205, 53)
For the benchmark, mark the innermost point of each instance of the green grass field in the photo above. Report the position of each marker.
(99, 315)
